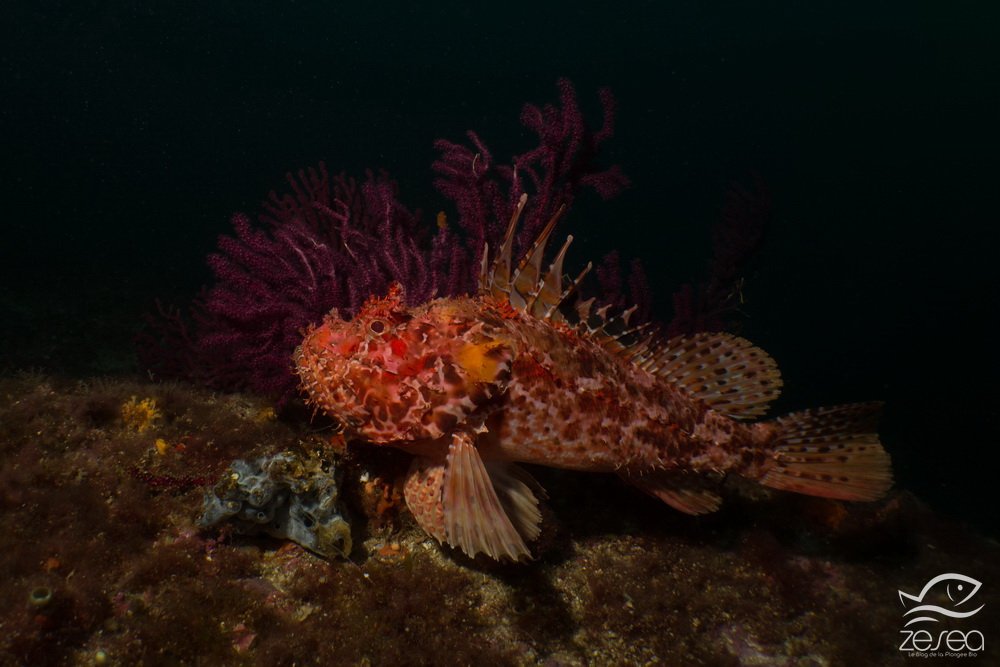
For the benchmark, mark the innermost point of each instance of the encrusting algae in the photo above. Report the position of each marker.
(474, 385)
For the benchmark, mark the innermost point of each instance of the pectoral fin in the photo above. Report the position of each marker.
(479, 508)
(516, 490)
(422, 492)
(474, 518)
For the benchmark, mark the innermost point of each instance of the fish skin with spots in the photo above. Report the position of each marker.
(473, 386)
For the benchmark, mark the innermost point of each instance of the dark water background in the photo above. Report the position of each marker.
(131, 131)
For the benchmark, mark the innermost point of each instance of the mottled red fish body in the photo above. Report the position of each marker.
(473, 385)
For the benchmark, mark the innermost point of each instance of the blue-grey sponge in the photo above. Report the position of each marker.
(288, 496)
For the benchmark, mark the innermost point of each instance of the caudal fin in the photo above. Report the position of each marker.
(830, 452)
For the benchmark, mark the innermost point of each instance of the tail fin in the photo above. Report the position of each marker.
(830, 452)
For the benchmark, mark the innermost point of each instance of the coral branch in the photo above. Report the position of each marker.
(564, 162)
(710, 306)
(330, 242)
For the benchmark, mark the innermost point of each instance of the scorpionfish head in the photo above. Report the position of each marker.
(393, 374)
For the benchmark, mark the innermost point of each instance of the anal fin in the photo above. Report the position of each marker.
(682, 491)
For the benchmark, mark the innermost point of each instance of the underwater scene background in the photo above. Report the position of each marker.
(847, 153)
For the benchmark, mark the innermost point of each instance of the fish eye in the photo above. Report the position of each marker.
(377, 327)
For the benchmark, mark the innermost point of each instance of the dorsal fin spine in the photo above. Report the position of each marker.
(527, 281)
(484, 271)
(502, 262)
(549, 291)
(569, 291)
(583, 308)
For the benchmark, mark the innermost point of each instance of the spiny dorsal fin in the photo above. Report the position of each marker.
(528, 280)
(484, 268)
(497, 282)
(553, 310)
(549, 293)
(725, 371)
(583, 308)
(612, 333)
(527, 288)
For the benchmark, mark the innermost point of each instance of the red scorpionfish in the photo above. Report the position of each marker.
(474, 385)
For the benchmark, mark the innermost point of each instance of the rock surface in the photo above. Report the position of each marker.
(104, 562)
